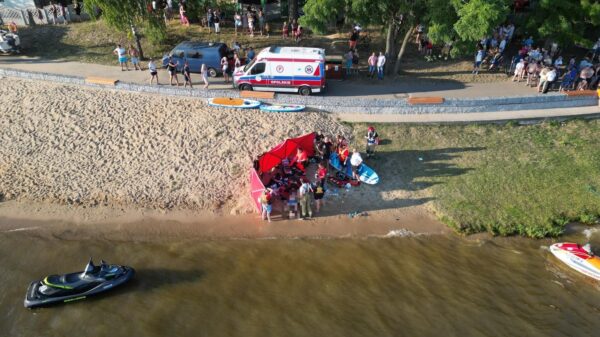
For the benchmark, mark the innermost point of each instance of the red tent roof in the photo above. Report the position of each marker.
(287, 149)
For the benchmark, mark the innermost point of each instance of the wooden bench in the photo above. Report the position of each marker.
(425, 100)
(101, 80)
(257, 94)
(581, 93)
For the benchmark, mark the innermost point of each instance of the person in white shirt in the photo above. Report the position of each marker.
(380, 65)
(122, 55)
(153, 71)
(519, 71)
(547, 80)
(355, 160)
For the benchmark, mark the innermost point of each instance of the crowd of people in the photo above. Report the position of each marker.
(290, 185)
(375, 62)
(546, 68)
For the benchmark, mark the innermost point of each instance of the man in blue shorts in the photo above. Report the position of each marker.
(122, 55)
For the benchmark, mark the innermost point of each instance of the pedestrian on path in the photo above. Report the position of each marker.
(172, 69)
(478, 59)
(225, 68)
(134, 54)
(353, 39)
(372, 65)
(122, 56)
(204, 73)
(153, 71)
(380, 65)
(187, 75)
(349, 57)
(261, 21)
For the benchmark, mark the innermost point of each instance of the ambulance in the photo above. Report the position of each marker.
(284, 69)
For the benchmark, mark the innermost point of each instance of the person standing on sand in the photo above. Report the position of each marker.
(305, 193)
(318, 195)
(187, 75)
(355, 160)
(122, 55)
(153, 71)
(266, 204)
(372, 141)
(172, 69)
(321, 174)
(134, 54)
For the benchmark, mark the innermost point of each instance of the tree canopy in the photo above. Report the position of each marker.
(129, 14)
(566, 21)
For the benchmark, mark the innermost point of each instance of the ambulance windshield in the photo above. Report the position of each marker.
(249, 65)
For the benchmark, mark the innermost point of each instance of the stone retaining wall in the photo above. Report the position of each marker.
(348, 104)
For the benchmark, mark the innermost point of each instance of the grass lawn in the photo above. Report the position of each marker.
(502, 179)
(93, 42)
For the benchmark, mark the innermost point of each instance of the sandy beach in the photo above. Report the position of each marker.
(86, 155)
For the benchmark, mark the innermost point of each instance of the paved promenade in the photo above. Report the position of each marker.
(523, 102)
(357, 88)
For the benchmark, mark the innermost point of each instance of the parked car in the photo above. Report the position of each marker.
(197, 53)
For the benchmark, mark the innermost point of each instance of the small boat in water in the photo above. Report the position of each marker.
(76, 286)
(577, 257)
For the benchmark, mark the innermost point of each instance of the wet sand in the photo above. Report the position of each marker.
(77, 223)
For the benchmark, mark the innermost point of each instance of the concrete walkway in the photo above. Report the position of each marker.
(363, 88)
(376, 90)
(475, 117)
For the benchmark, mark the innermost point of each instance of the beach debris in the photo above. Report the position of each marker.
(355, 214)
(399, 233)
(420, 158)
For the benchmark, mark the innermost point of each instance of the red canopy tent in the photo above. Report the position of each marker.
(287, 149)
(270, 159)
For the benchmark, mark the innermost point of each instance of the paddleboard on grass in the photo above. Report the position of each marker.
(282, 108)
(334, 161)
(365, 174)
(574, 256)
(240, 103)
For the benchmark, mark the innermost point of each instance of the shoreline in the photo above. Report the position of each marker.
(119, 224)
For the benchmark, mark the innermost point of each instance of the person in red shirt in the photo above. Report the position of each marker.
(301, 159)
(321, 173)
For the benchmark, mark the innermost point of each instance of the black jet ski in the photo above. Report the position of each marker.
(77, 286)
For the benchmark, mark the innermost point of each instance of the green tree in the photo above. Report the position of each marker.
(130, 15)
(464, 22)
(568, 22)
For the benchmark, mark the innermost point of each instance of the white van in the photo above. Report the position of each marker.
(284, 69)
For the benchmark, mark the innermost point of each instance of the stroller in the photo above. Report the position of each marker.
(9, 42)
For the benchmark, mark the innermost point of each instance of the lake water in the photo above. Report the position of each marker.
(405, 286)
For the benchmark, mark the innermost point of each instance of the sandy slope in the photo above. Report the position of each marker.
(74, 145)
